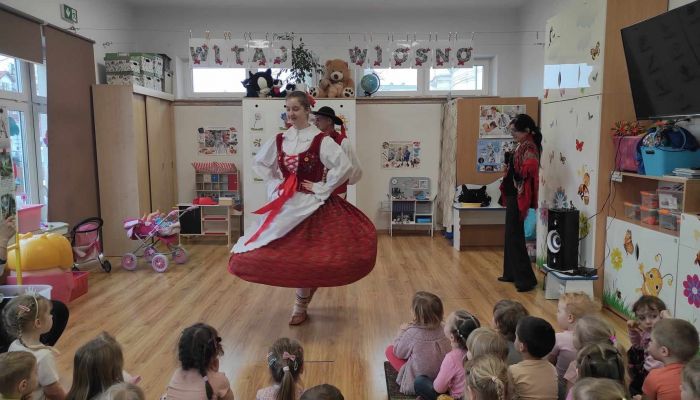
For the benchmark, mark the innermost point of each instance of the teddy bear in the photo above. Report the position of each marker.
(336, 81)
(258, 84)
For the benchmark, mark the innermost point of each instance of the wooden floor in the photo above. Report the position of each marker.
(344, 340)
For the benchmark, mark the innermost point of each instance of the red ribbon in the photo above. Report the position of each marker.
(286, 190)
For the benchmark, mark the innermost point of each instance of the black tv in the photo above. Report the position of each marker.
(663, 61)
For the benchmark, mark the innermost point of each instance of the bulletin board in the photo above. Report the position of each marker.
(468, 138)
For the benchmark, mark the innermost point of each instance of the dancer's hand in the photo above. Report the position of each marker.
(308, 185)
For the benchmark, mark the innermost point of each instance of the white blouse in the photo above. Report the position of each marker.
(300, 205)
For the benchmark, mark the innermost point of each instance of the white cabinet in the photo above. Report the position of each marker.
(640, 261)
(688, 287)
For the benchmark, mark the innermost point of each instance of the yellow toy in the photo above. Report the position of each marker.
(40, 252)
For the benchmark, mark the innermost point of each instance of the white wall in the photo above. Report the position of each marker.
(99, 20)
(677, 3)
(167, 30)
(377, 123)
(187, 120)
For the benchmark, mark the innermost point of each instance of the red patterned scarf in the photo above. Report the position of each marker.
(526, 180)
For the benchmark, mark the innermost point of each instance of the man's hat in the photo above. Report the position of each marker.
(328, 112)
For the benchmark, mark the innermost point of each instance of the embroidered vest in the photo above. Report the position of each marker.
(306, 165)
(338, 138)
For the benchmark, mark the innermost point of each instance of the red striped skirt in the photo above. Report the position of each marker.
(334, 246)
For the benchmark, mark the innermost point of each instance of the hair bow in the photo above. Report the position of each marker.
(287, 356)
(311, 99)
(613, 340)
(23, 308)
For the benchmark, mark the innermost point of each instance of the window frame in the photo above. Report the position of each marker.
(360, 72)
(485, 85)
(189, 81)
(22, 95)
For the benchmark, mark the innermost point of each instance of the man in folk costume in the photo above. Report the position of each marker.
(305, 238)
(326, 121)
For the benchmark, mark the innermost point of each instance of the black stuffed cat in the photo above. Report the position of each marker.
(475, 196)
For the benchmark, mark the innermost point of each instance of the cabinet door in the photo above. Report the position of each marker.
(141, 152)
(688, 288)
(640, 261)
(161, 153)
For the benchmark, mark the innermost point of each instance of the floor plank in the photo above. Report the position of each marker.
(344, 341)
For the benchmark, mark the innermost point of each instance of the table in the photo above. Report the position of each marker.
(489, 221)
(557, 283)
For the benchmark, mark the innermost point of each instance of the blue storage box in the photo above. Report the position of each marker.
(663, 160)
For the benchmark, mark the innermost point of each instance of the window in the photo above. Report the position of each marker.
(469, 81)
(23, 96)
(218, 80)
(400, 82)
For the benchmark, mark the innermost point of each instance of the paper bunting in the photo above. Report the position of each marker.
(258, 56)
(281, 54)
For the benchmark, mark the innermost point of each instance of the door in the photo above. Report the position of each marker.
(161, 154)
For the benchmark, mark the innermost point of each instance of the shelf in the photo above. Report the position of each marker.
(666, 178)
(217, 233)
(655, 228)
(222, 218)
(424, 215)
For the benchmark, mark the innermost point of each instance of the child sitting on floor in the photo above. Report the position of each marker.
(506, 315)
(590, 329)
(648, 310)
(599, 360)
(571, 307)
(198, 377)
(123, 391)
(534, 377)
(450, 379)
(323, 392)
(598, 389)
(488, 379)
(421, 345)
(286, 362)
(18, 375)
(674, 342)
(690, 389)
(27, 317)
(486, 341)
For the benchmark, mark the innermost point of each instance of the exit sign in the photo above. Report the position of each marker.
(69, 14)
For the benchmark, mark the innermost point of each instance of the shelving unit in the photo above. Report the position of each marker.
(410, 203)
(214, 220)
(218, 185)
(628, 191)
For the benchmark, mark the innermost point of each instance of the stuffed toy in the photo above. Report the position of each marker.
(336, 81)
(258, 84)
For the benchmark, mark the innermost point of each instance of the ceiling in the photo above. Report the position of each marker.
(357, 5)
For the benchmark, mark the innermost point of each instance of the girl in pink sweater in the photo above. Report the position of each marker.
(450, 379)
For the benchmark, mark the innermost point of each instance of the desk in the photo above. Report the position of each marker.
(487, 224)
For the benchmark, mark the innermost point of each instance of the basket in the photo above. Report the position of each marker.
(29, 218)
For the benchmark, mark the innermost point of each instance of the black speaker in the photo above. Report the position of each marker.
(562, 239)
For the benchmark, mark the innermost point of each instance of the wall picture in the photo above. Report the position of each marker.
(494, 120)
(401, 154)
(217, 141)
(490, 154)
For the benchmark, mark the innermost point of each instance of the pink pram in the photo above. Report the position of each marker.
(165, 229)
(86, 241)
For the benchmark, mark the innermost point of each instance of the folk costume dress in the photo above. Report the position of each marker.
(305, 238)
(519, 192)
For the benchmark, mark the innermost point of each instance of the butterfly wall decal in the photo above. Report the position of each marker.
(595, 52)
(590, 116)
(579, 145)
(595, 77)
(562, 158)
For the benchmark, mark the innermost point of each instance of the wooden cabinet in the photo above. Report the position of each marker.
(135, 142)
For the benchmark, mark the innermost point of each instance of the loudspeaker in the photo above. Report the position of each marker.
(562, 239)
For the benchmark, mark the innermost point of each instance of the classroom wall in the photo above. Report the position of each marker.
(168, 30)
(187, 120)
(99, 20)
(677, 3)
(376, 123)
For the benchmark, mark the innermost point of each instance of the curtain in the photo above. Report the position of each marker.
(447, 180)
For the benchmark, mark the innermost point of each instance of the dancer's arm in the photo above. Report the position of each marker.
(338, 165)
(355, 171)
(265, 165)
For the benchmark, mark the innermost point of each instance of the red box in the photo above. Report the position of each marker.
(80, 284)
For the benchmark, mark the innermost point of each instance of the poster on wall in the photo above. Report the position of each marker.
(490, 154)
(401, 154)
(217, 141)
(494, 120)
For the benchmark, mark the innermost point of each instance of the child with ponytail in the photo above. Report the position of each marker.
(286, 362)
(488, 379)
(198, 377)
(27, 317)
(599, 360)
(450, 379)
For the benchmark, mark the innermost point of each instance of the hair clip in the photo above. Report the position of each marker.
(287, 356)
(285, 368)
(613, 340)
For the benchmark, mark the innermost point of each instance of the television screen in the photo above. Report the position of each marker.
(663, 61)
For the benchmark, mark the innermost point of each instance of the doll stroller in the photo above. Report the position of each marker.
(86, 241)
(149, 232)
